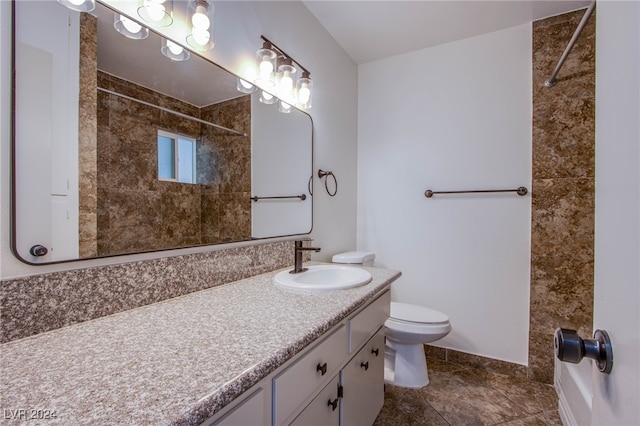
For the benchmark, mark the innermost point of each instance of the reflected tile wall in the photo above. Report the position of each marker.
(139, 212)
(87, 138)
(563, 188)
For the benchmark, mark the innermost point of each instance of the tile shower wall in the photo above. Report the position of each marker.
(39, 303)
(123, 206)
(136, 210)
(87, 138)
(563, 188)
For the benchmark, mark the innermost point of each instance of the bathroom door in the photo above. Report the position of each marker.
(616, 398)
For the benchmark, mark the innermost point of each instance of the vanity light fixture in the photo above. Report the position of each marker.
(201, 13)
(157, 12)
(266, 59)
(267, 98)
(174, 51)
(79, 5)
(304, 85)
(129, 28)
(281, 79)
(244, 86)
(286, 73)
(284, 107)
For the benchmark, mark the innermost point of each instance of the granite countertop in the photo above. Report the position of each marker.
(175, 362)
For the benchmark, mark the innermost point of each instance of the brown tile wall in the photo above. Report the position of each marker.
(87, 138)
(136, 211)
(39, 303)
(226, 204)
(562, 222)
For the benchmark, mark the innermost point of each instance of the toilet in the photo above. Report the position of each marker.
(407, 329)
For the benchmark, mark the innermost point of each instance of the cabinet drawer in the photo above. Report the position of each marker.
(296, 384)
(368, 321)
(324, 410)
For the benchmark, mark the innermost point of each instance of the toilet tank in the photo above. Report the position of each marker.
(364, 258)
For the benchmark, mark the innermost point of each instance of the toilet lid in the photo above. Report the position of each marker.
(415, 313)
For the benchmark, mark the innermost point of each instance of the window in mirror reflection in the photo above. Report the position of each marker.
(176, 157)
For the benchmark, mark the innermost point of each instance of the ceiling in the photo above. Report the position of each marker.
(195, 81)
(369, 30)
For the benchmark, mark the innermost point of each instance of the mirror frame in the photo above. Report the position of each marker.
(13, 171)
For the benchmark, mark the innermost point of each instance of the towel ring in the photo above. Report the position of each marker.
(323, 174)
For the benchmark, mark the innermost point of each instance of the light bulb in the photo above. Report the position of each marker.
(77, 2)
(284, 107)
(176, 49)
(246, 84)
(200, 20)
(201, 37)
(286, 84)
(266, 68)
(155, 11)
(131, 26)
(304, 94)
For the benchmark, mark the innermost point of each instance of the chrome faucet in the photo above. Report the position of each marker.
(297, 268)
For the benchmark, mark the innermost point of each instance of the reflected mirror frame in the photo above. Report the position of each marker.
(13, 171)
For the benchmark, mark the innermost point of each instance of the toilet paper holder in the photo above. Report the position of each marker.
(570, 347)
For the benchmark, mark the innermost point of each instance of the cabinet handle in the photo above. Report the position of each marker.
(333, 404)
(322, 368)
(365, 365)
(375, 351)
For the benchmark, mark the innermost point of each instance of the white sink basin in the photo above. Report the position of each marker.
(320, 278)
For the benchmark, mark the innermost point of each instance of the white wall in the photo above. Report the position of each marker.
(452, 117)
(617, 227)
(239, 25)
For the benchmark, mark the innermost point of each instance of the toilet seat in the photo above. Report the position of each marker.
(408, 313)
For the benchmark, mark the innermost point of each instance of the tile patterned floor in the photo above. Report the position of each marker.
(460, 395)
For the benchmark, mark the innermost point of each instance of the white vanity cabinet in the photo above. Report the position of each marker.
(357, 393)
(338, 380)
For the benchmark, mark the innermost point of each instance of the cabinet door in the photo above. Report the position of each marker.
(249, 412)
(363, 383)
(324, 410)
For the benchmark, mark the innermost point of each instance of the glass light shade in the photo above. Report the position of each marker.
(129, 28)
(266, 61)
(157, 12)
(201, 37)
(79, 5)
(286, 73)
(304, 87)
(174, 51)
(267, 98)
(284, 107)
(244, 86)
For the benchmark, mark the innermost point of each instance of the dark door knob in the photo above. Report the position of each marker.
(38, 250)
(570, 347)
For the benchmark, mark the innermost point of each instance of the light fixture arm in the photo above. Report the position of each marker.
(272, 46)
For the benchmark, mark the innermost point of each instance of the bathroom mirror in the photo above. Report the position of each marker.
(119, 149)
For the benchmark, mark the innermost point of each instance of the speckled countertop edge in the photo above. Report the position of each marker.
(139, 366)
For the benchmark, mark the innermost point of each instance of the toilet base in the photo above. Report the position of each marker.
(405, 365)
